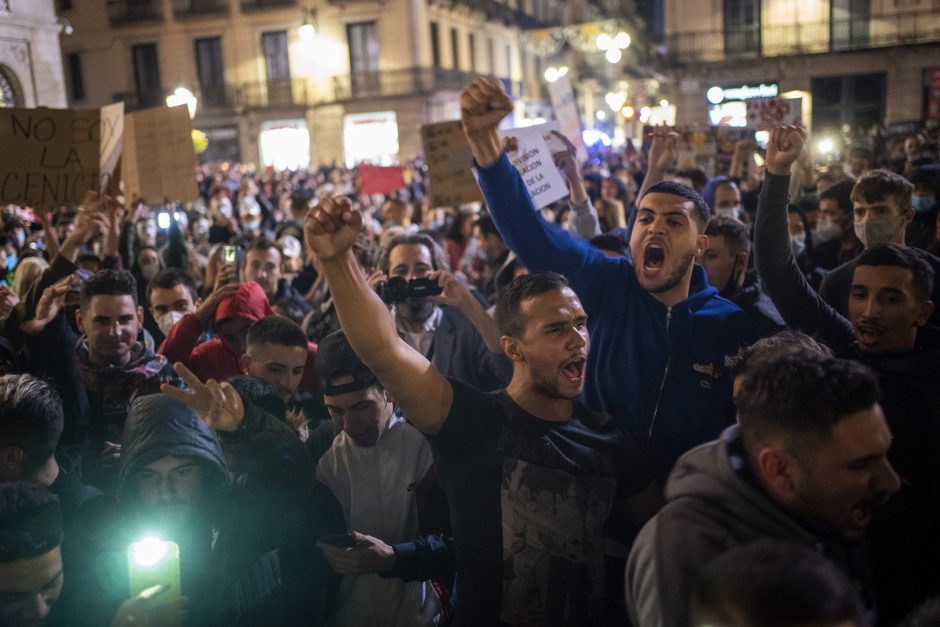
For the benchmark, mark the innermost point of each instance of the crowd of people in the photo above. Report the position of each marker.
(666, 400)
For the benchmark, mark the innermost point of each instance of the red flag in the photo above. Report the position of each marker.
(375, 179)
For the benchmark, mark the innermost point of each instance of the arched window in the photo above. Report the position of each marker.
(8, 88)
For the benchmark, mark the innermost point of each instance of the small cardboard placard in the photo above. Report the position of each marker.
(450, 164)
(159, 159)
(765, 113)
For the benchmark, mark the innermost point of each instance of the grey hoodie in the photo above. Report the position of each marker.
(711, 508)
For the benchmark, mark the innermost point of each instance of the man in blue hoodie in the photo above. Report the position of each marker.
(661, 334)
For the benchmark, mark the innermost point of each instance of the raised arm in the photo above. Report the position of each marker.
(422, 392)
(664, 150)
(799, 305)
(538, 244)
(583, 222)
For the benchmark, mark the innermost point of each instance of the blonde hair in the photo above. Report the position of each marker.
(27, 273)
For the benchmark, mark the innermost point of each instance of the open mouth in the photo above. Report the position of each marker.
(574, 370)
(861, 516)
(654, 257)
(868, 333)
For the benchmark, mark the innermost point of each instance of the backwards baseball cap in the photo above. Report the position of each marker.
(336, 358)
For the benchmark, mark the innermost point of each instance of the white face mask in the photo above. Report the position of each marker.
(798, 244)
(826, 231)
(167, 320)
(729, 212)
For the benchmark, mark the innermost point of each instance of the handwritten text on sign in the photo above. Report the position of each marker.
(55, 156)
(529, 152)
(449, 162)
(765, 113)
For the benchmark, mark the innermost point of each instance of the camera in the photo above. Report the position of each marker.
(397, 289)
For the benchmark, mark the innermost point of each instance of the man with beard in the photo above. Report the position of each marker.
(806, 463)
(886, 329)
(533, 478)
(662, 335)
(452, 330)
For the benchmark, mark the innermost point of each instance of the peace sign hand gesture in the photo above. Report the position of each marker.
(219, 405)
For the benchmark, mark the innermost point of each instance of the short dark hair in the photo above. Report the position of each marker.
(840, 192)
(799, 396)
(509, 300)
(734, 232)
(108, 283)
(787, 341)
(611, 242)
(168, 278)
(263, 244)
(678, 189)
(31, 418)
(276, 330)
(902, 257)
(696, 175)
(438, 257)
(30, 521)
(487, 226)
(775, 584)
(883, 185)
(860, 152)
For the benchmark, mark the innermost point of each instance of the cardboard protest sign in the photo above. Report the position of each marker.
(566, 110)
(765, 113)
(375, 179)
(55, 156)
(529, 152)
(450, 162)
(159, 159)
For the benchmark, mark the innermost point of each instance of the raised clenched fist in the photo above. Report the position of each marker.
(784, 147)
(331, 228)
(483, 104)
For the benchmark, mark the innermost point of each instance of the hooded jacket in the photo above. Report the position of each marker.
(215, 359)
(660, 372)
(710, 509)
(231, 565)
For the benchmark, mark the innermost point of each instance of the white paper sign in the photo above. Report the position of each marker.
(765, 113)
(530, 153)
(566, 110)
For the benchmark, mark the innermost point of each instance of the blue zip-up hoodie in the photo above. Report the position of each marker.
(661, 373)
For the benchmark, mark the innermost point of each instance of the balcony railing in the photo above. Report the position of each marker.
(132, 11)
(878, 31)
(197, 8)
(285, 93)
(417, 80)
(254, 5)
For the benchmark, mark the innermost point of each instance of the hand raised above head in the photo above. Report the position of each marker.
(483, 105)
(331, 228)
(783, 148)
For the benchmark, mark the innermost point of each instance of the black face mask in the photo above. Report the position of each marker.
(731, 289)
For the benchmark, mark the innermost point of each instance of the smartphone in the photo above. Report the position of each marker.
(163, 220)
(342, 540)
(231, 256)
(154, 562)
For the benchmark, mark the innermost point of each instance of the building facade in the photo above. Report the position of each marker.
(854, 62)
(292, 82)
(30, 58)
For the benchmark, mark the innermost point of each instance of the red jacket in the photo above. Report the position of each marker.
(215, 359)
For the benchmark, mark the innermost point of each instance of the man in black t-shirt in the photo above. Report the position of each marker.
(534, 479)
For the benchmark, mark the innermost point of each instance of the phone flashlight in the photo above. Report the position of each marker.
(163, 220)
(154, 562)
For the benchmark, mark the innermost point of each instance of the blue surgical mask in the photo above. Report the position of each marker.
(20, 238)
(11, 263)
(924, 204)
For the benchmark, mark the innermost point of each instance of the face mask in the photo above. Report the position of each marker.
(20, 239)
(879, 231)
(149, 271)
(11, 262)
(798, 244)
(251, 226)
(167, 320)
(826, 231)
(729, 212)
(921, 204)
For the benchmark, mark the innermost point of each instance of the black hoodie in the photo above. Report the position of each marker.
(231, 555)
